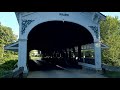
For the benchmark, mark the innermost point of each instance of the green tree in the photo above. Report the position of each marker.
(110, 35)
(1, 51)
(6, 37)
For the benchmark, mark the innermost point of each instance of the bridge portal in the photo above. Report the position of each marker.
(73, 33)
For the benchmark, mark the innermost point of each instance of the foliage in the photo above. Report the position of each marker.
(110, 35)
(7, 64)
(6, 37)
(7, 58)
(1, 50)
(112, 74)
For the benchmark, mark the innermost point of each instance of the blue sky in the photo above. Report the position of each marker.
(112, 14)
(9, 19)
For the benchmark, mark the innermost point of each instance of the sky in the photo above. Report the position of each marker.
(9, 19)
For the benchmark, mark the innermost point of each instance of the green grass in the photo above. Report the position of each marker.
(112, 74)
(4, 73)
(7, 64)
(6, 67)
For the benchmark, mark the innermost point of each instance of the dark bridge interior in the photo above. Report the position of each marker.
(58, 35)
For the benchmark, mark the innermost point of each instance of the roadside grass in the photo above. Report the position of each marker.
(7, 65)
(112, 74)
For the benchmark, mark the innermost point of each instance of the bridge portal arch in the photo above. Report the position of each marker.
(57, 35)
(84, 25)
(58, 32)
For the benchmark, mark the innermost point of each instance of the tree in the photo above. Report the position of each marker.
(1, 51)
(110, 35)
(6, 37)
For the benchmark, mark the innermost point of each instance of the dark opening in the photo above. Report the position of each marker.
(56, 36)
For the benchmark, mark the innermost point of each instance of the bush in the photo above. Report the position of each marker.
(1, 51)
(110, 35)
(9, 65)
(6, 67)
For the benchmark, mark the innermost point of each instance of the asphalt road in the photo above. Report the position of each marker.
(70, 73)
(43, 69)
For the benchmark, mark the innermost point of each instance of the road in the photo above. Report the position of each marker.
(70, 73)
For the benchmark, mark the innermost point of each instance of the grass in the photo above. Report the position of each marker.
(4, 73)
(112, 74)
(7, 64)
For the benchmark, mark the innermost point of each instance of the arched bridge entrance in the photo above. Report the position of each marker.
(58, 34)
(68, 36)
(59, 37)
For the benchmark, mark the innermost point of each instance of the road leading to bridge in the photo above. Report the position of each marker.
(71, 73)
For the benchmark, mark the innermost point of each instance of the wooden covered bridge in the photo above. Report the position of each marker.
(63, 38)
